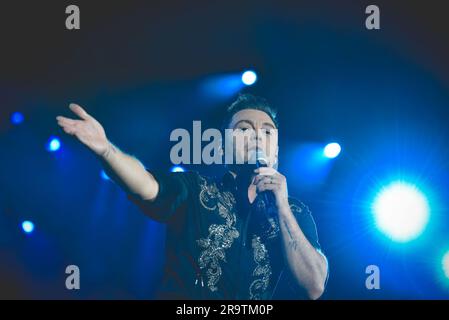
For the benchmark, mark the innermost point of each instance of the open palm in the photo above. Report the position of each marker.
(87, 130)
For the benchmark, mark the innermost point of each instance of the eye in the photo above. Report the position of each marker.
(267, 131)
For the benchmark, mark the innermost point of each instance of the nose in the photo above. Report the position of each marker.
(259, 138)
(259, 134)
(255, 135)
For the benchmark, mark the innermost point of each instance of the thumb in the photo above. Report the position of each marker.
(80, 112)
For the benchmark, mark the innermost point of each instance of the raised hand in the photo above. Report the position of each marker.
(86, 129)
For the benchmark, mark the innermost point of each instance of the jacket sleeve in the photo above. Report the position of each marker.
(174, 191)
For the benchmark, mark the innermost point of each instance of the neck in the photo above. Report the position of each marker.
(243, 178)
(243, 174)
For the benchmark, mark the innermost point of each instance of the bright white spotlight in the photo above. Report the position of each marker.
(445, 264)
(177, 169)
(249, 78)
(401, 211)
(53, 144)
(27, 226)
(332, 150)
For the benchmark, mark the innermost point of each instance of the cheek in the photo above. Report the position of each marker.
(237, 144)
(241, 140)
(271, 146)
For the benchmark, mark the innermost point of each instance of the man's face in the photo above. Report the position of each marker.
(254, 130)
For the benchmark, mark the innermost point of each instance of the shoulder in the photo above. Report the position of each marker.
(190, 176)
(298, 207)
(193, 178)
(304, 217)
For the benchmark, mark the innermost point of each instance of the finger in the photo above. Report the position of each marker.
(268, 178)
(265, 171)
(59, 118)
(276, 176)
(263, 177)
(267, 187)
(265, 184)
(65, 121)
(69, 124)
(80, 112)
(259, 178)
(69, 130)
(72, 126)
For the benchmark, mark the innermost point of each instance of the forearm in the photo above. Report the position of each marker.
(307, 265)
(129, 173)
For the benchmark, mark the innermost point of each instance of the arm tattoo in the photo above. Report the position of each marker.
(292, 243)
(288, 230)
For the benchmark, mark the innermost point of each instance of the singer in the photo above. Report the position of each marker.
(239, 236)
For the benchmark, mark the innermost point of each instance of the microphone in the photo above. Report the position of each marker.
(269, 226)
(261, 159)
(262, 162)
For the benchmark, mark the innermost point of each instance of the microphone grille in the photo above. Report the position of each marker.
(261, 159)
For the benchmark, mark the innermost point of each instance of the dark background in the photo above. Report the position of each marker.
(143, 68)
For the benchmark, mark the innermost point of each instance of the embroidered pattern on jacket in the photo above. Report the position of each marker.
(221, 236)
(262, 271)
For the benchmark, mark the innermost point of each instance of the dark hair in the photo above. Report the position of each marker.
(249, 101)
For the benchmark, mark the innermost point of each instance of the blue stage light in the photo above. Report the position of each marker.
(249, 77)
(177, 169)
(53, 144)
(27, 226)
(17, 118)
(104, 175)
(332, 150)
(445, 264)
(401, 211)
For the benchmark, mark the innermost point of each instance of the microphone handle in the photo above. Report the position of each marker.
(266, 195)
(270, 212)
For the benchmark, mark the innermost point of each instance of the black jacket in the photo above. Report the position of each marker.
(218, 245)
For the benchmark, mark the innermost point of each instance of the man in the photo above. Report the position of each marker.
(239, 236)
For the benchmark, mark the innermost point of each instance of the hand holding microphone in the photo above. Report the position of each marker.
(270, 184)
(271, 187)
